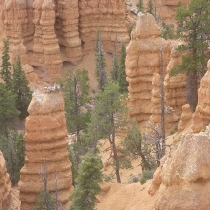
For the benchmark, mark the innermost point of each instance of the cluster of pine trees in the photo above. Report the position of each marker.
(15, 97)
(96, 117)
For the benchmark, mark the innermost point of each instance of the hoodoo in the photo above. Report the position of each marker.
(45, 146)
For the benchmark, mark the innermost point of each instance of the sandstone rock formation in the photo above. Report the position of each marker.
(50, 30)
(185, 117)
(201, 117)
(166, 9)
(109, 16)
(142, 61)
(45, 142)
(5, 184)
(183, 177)
(158, 91)
(148, 63)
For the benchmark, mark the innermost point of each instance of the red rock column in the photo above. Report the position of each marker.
(45, 141)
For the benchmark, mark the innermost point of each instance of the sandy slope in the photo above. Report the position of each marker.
(126, 197)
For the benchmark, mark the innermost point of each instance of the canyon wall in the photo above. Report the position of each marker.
(45, 143)
(50, 32)
(184, 184)
(108, 16)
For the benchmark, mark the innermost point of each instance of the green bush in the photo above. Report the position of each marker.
(143, 180)
(146, 175)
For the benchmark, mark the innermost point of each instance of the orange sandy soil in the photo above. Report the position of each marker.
(125, 197)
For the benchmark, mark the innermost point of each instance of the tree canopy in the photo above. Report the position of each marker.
(193, 26)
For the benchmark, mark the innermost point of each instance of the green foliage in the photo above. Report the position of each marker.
(89, 177)
(174, 130)
(41, 201)
(115, 68)
(143, 180)
(146, 175)
(13, 148)
(193, 27)
(109, 110)
(8, 112)
(100, 62)
(123, 84)
(167, 31)
(76, 152)
(140, 6)
(5, 69)
(21, 89)
(136, 145)
(134, 179)
(75, 86)
(110, 115)
(3, 208)
(150, 7)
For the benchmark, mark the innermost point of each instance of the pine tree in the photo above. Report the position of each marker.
(21, 89)
(76, 95)
(123, 84)
(115, 68)
(109, 116)
(136, 145)
(100, 62)
(89, 177)
(140, 6)
(8, 111)
(41, 201)
(193, 26)
(150, 7)
(13, 148)
(5, 69)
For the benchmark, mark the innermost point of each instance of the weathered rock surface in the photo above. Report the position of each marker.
(185, 117)
(201, 117)
(149, 57)
(50, 30)
(45, 142)
(109, 16)
(5, 184)
(142, 61)
(182, 181)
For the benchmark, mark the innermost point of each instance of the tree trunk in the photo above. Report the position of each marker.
(117, 163)
(192, 90)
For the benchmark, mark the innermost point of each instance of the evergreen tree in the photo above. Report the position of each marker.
(13, 148)
(110, 116)
(193, 25)
(5, 69)
(136, 145)
(21, 89)
(76, 89)
(100, 62)
(115, 68)
(41, 201)
(140, 6)
(8, 112)
(150, 7)
(89, 177)
(123, 84)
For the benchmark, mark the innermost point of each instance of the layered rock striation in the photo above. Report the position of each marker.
(54, 31)
(149, 61)
(106, 15)
(5, 184)
(45, 143)
(142, 61)
(201, 116)
(184, 184)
